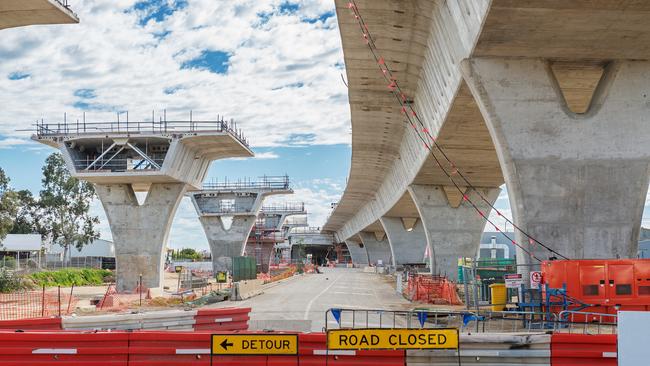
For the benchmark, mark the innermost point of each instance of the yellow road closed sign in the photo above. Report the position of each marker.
(362, 339)
(254, 344)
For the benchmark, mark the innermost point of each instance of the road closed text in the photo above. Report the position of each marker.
(359, 339)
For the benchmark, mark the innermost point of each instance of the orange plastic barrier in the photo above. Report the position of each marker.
(179, 349)
(222, 319)
(60, 348)
(30, 324)
(313, 351)
(204, 320)
(583, 349)
(156, 348)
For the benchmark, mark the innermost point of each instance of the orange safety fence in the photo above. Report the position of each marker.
(36, 304)
(432, 290)
(268, 277)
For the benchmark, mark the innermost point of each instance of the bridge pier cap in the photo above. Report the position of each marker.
(239, 200)
(163, 158)
(576, 181)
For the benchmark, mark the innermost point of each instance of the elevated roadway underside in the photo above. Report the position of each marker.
(19, 13)
(424, 43)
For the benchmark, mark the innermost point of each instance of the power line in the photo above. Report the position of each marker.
(410, 115)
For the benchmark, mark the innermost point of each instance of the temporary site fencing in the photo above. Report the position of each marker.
(432, 289)
(34, 304)
(277, 273)
(62, 301)
(467, 321)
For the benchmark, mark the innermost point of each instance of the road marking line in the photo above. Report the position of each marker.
(311, 302)
(193, 351)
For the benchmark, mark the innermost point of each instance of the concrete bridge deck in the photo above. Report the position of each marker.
(557, 61)
(20, 13)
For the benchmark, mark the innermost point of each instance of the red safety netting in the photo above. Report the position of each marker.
(432, 290)
(36, 304)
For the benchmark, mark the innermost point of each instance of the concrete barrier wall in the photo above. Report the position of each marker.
(247, 289)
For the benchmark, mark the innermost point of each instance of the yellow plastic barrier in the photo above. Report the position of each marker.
(498, 296)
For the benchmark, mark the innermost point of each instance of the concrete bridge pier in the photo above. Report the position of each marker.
(377, 247)
(240, 201)
(164, 159)
(452, 227)
(408, 242)
(572, 140)
(140, 231)
(226, 243)
(357, 252)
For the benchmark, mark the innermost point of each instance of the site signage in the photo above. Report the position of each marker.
(254, 344)
(514, 280)
(369, 339)
(535, 279)
(222, 277)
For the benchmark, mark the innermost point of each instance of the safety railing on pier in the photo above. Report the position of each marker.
(262, 183)
(306, 230)
(467, 321)
(81, 128)
(289, 207)
(121, 164)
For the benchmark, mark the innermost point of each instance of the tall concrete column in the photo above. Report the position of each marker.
(577, 182)
(140, 232)
(452, 227)
(226, 243)
(377, 249)
(358, 252)
(407, 246)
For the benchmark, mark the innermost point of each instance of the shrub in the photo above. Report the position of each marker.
(8, 262)
(9, 281)
(71, 276)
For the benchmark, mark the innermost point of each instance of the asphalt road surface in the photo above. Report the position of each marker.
(303, 300)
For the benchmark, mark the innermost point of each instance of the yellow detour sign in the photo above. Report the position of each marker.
(360, 339)
(254, 344)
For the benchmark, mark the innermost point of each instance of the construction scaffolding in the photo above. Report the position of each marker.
(269, 230)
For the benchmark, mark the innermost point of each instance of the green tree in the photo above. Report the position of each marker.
(26, 221)
(189, 253)
(8, 205)
(65, 204)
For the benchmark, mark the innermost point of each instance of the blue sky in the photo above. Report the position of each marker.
(274, 66)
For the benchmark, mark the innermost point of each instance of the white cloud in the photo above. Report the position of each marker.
(129, 67)
(262, 156)
(12, 142)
